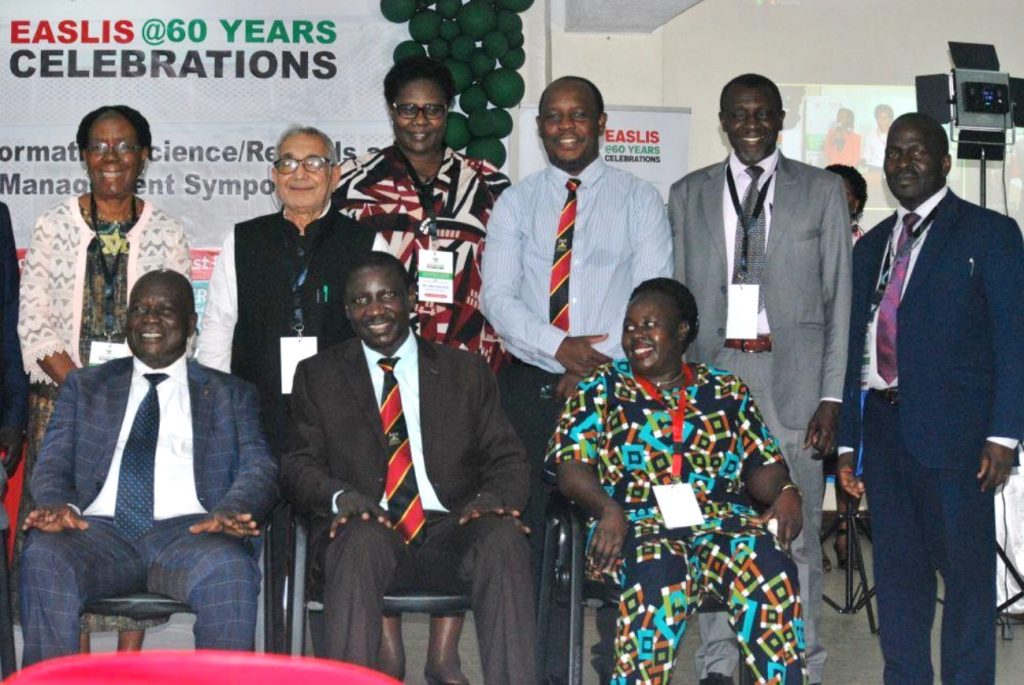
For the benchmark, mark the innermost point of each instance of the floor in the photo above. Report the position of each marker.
(854, 656)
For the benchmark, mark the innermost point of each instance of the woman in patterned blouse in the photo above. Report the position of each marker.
(621, 435)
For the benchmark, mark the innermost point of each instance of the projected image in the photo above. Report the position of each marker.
(831, 124)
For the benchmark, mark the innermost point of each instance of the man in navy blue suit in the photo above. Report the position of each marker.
(152, 476)
(932, 402)
(13, 381)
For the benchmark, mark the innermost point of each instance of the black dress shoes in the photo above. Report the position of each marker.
(716, 679)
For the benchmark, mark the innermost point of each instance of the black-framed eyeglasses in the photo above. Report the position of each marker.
(408, 110)
(121, 148)
(312, 164)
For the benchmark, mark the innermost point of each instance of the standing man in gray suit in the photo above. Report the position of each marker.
(764, 244)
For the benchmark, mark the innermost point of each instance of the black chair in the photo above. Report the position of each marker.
(564, 580)
(397, 603)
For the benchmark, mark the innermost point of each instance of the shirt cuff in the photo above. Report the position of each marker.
(844, 450)
(75, 509)
(1005, 442)
(831, 399)
(334, 502)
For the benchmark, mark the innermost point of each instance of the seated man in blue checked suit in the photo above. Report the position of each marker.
(152, 476)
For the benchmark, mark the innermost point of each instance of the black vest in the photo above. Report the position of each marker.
(265, 301)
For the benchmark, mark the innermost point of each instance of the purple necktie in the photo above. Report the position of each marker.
(885, 331)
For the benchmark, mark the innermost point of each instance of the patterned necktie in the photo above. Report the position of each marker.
(753, 258)
(885, 329)
(133, 512)
(559, 290)
(404, 506)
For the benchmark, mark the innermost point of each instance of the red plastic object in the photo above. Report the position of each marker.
(195, 668)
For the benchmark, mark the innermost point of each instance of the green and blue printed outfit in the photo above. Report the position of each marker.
(614, 425)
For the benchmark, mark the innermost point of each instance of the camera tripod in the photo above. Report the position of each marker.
(858, 593)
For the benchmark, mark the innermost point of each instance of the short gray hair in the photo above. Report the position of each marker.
(291, 131)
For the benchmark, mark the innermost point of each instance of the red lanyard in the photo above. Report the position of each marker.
(678, 414)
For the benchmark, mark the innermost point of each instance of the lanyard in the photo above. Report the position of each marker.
(297, 272)
(746, 222)
(109, 270)
(425, 192)
(890, 259)
(678, 414)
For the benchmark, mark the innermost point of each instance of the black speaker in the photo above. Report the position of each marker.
(933, 96)
(1017, 99)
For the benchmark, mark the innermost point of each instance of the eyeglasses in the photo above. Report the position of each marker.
(100, 148)
(312, 164)
(408, 110)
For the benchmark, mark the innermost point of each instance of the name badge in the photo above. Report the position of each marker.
(678, 505)
(103, 352)
(293, 351)
(741, 322)
(436, 278)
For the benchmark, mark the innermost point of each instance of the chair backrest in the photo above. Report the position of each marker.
(195, 668)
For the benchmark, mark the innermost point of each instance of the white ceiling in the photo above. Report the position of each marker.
(621, 16)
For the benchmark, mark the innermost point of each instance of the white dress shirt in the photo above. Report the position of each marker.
(730, 218)
(174, 482)
(870, 378)
(621, 238)
(407, 373)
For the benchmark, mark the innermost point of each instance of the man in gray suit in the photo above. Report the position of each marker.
(764, 244)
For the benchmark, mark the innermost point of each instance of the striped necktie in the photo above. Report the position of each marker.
(559, 290)
(403, 497)
(133, 508)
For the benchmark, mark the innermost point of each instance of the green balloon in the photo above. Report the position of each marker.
(425, 26)
(438, 48)
(495, 44)
(490, 149)
(398, 11)
(514, 5)
(449, 8)
(449, 29)
(504, 86)
(461, 74)
(513, 59)
(457, 135)
(502, 121)
(462, 47)
(481, 124)
(406, 49)
(481, 63)
(509, 22)
(477, 18)
(516, 40)
(473, 99)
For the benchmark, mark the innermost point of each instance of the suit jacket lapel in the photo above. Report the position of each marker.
(785, 203)
(200, 404)
(432, 416)
(358, 376)
(938, 234)
(711, 201)
(116, 401)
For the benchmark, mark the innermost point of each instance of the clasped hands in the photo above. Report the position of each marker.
(355, 505)
(64, 517)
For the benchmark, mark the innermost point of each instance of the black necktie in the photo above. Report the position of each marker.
(133, 513)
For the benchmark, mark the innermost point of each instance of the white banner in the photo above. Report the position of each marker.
(651, 142)
(218, 83)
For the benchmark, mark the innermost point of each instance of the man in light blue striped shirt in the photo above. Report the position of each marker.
(621, 237)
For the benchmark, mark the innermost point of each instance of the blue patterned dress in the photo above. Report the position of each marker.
(614, 425)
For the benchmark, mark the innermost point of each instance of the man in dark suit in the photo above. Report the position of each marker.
(14, 388)
(421, 488)
(774, 308)
(152, 476)
(937, 354)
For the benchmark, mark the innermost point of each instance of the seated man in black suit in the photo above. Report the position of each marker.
(152, 475)
(412, 478)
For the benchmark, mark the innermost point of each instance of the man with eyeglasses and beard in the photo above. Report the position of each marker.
(276, 291)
